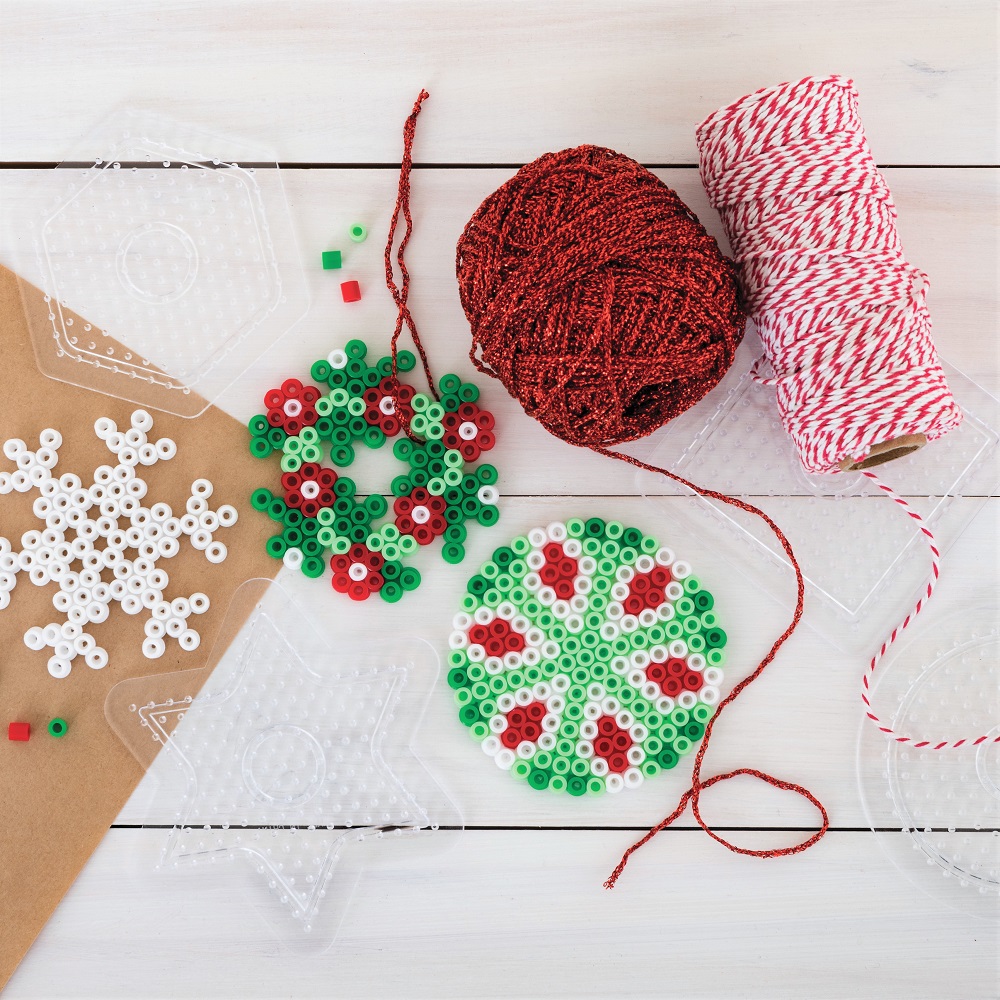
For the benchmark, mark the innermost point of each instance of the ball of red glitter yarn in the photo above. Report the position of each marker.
(597, 297)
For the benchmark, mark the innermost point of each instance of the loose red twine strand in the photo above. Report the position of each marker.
(401, 293)
(605, 309)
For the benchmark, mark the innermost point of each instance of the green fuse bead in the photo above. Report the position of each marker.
(453, 553)
(261, 499)
(715, 638)
(313, 566)
(260, 447)
(276, 546)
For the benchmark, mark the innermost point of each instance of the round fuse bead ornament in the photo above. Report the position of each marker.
(561, 665)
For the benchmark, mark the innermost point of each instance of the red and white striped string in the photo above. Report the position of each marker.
(841, 314)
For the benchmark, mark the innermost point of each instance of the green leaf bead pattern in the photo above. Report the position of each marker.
(318, 512)
(586, 657)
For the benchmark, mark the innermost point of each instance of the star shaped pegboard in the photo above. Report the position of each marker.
(291, 752)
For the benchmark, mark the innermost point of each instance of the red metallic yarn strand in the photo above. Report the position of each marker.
(693, 794)
(401, 292)
(604, 307)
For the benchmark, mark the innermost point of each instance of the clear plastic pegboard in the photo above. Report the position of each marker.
(169, 262)
(861, 556)
(936, 813)
(294, 763)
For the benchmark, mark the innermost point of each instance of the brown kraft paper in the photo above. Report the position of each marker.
(59, 796)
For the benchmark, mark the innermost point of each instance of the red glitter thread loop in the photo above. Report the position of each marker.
(603, 306)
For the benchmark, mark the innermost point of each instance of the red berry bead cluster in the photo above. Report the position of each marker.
(559, 571)
(524, 724)
(469, 431)
(358, 572)
(310, 489)
(292, 406)
(388, 412)
(421, 515)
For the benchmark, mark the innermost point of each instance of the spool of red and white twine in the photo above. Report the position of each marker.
(841, 314)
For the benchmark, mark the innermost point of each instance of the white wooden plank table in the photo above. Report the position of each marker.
(516, 908)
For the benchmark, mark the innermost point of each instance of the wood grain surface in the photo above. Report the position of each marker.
(516, 907)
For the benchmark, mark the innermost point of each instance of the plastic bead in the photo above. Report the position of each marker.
(562, 664)
(19, 732)
(331, 260)
(58, 728)
(358, 233)
(350, 291)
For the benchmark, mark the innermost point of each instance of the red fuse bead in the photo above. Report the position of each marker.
(19, 732)
(350, 291)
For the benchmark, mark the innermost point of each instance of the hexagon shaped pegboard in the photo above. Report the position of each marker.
(181, 256)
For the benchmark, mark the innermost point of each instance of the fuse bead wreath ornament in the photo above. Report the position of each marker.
(318, 510)
(586, 657)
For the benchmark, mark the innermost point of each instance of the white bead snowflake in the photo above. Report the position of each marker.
(101, 545)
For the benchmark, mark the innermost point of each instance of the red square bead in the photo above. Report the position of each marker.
(19, 732)
(350, 290)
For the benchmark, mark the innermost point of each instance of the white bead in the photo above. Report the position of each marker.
(189, 639)
(216, 552)
(154, 629)
(96, 658)
(153, 649)
(34, 639)
(59, 667)
(104, 426)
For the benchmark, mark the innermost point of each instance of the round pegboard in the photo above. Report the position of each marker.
(936, 813)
